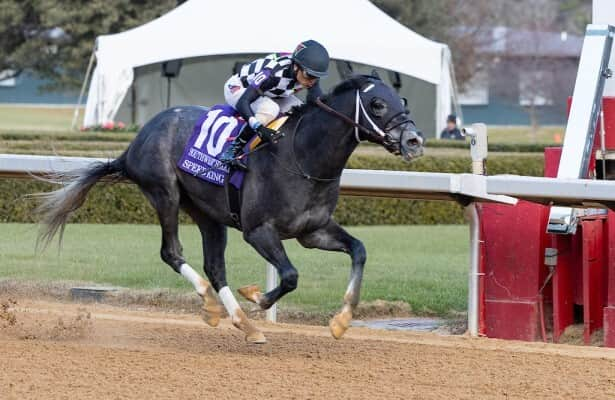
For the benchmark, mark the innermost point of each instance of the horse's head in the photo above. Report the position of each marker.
(385, 119)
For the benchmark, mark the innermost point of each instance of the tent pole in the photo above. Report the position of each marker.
(133, 108)
(168, 91)
(85, 83)
(440, 108)
(455, 94)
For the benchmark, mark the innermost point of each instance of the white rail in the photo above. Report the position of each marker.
(354, 182)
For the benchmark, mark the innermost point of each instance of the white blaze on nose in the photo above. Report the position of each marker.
(368, 88)
(199, 283)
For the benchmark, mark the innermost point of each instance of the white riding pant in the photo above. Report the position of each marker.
(265, 109)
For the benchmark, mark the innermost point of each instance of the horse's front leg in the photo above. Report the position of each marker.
(267, 243)
(334, 237)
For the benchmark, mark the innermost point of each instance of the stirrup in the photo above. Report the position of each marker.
(231, 153)
(238, 163)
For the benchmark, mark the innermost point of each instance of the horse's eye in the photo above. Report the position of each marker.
(379, 107)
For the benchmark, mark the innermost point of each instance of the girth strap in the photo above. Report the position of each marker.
(233, 198)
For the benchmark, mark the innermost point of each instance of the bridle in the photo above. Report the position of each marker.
(374, 133)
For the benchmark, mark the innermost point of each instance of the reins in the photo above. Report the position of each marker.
(343, 117)
(300, 171)
(375, 133)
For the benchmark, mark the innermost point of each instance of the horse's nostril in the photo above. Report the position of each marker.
(414, 142)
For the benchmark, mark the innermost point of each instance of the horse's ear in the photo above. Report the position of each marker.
(375, 74)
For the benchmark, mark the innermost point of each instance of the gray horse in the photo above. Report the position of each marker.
(290, 191)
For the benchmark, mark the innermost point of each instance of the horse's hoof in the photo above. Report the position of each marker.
(339, 324)
(256, 337)
(211, 314)
(241, 322)
(251, 293)
(212, 309)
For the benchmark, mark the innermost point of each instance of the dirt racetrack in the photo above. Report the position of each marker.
(55, 350)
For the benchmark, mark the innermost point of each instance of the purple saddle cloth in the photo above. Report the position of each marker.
(214, 131)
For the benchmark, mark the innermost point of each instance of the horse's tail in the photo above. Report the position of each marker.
(56, 207)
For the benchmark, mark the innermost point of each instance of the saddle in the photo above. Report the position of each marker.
(276, 124)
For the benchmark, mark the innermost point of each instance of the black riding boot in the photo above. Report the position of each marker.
(233, 153)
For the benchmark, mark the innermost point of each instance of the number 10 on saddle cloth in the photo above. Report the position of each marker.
(212, 134)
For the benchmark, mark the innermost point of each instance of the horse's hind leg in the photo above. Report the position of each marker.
(166, 203)
(335, 238)
(214, 245)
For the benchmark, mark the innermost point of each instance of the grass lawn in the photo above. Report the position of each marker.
(425, 266)
(524, 134)
(42, 119)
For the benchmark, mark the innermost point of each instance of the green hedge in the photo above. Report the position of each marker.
(124, 203)
(493, 147)
(64, 136)
(124, 137)
(367, 211)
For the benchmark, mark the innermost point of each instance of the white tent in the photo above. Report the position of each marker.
(352, 30)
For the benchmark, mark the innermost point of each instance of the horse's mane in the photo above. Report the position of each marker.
(353, 83)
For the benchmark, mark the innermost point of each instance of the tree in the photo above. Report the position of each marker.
(540, 83)
(54, 38)
(467, 26)
(458, 23)
(574, 15)
(462, 23)
(16, 24)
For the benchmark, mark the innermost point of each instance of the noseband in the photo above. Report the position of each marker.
(375, 133)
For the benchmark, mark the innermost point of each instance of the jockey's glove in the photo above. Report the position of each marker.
(266, 134)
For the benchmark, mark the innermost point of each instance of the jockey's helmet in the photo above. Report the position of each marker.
(312, 57)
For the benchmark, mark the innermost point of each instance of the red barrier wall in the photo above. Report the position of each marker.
(582, 286)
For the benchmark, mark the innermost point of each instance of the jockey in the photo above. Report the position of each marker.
(265, 88)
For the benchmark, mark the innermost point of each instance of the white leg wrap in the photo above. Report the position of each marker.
(199, 283)
(350, 290)
(229, 301)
